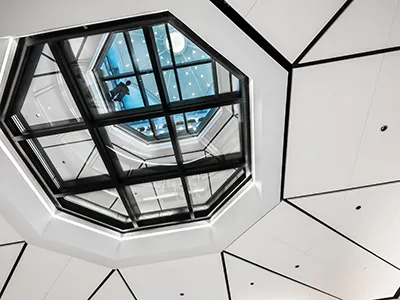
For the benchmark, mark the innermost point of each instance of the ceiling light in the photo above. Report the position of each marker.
(160, 197)
(178, 42)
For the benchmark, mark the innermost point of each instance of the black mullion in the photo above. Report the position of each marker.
(230, 82)
(245, 123)
(158, 73)
(178, 84)
(155, 193)
(71, 72)
(208, 176)
(215, 75)
(132, 56)
(46, 74)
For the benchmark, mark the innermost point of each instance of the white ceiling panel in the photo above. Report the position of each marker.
(3, 48)
(375, 223)
(7, 233)
(366, 25)
(329, 108)
(114, 288)
(242, 6)
(8, 256)
(291, 25)
(286, 238)
(78, 280)
(250, 282)
(35, 274)
(198, 278)
(378, 156)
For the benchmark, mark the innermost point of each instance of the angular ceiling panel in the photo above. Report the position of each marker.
(329, 108)
(365, 25)
(7, 233)
(291, 25)
(77, 281)
(8, 256)
(113, 288)
(369, 216)
(195, 278)
(35, 274)
(291, 243)
(250, 282)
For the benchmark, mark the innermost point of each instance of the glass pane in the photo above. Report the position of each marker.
(162, 45)
(73, 155)
(151, 89)
(117, 59)
(140, 49)
(235, 84)
(159, 195)
(179, 121)
(124, 94)
(196, 81)
(161, 128)
(172, 88)
(48, 100)
(131, 143)
(203, 186)
(223, 76)
(214, 132)
(184, 49)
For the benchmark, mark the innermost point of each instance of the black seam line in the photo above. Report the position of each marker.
(85, 163)
(46, 74)
(101, 284)
(12, 243)
(112, 204)
(342, 190)
(78, 54)
(127, 285)
(48, 57)
(286, 132)
(281, 275)
(228, 289)
(69, 143)
(339, 233)
(252, 33)
(323, 31)
(347, 57)
(396, 296)
(13, 269)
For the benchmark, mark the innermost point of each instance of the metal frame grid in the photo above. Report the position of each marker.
(25, 141)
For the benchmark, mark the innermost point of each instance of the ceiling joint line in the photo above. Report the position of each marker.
(340, 234)
(228, 289)
(279, 274)
(14, 267)
(327, 26)
(11, 243)
(55, 281)
(101, 284)
(252, 33)
(127, 285)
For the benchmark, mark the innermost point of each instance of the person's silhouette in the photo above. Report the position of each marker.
(119, 92)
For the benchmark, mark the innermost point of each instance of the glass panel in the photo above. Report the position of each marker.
(161, 128)
(224, 85)
(196, 81)
(131, 144)
(159, 195)
(73, 155)
(235, 84)
(151, 89)
(162, 45)
(172, 88)
(140, 49)
(217, 133)
(203, 186)
(184, 49)
(48, 100)
(124, 94)
(180, 125)
(117, 59)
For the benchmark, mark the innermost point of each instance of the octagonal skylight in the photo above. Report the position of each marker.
(130, 124)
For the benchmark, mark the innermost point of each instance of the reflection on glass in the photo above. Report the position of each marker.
(196, 81)
(196, 119)
(203, 186)
(124, 94)
(140, 49)
(172, 87)
(224, 81)
(183, 48)
(151, 89)
(116, 60)
(48, 100)
(159, 195)
(73, 155)
(162, 45)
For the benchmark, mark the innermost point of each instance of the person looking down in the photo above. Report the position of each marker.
(119, 92)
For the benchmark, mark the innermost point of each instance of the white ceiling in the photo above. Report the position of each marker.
(337, 159)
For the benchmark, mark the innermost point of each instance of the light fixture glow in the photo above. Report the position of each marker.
(178, 42)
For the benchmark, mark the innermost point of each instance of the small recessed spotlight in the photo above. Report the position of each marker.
(297, 266)
(384, 128)
(251, 283)
(358, 207)
(182, 294)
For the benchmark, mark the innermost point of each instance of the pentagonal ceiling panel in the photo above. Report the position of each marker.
(377, 159)
(7, 233)
(366, 25)
(35, 274)
(8, 257)
(329, 108)
(369, 216)
(195, 278)
(291, 25)
(291, 243)
(113, 288)
(250, 282)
